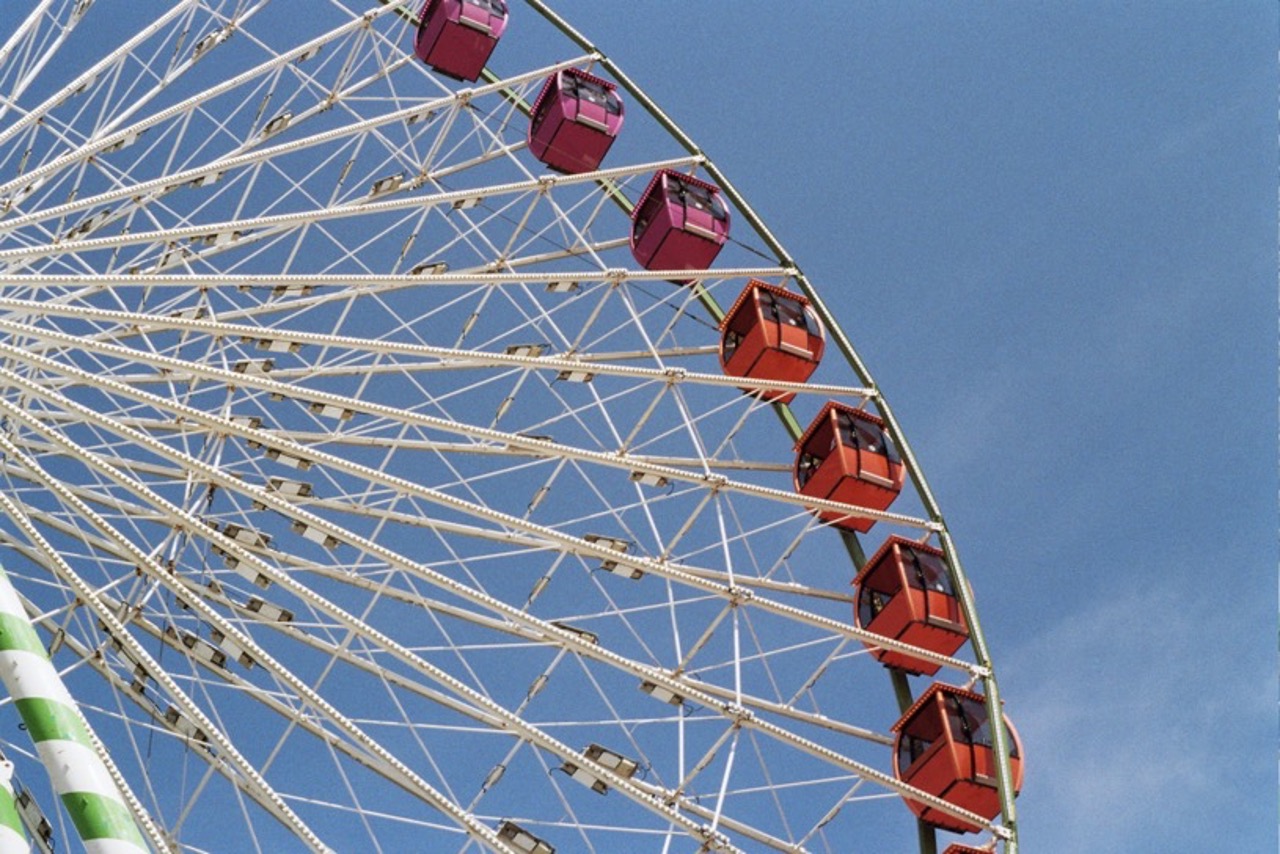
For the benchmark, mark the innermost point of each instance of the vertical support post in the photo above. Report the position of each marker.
(61, 735)
(12, 838)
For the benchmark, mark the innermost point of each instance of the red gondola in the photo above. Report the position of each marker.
(456, 37)
(574, 121)
(944, 748)
(957, 848)
(846, 456)
(771, 334)
(679, 223)
(904, 592)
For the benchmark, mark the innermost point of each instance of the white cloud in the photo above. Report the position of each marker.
(1140, 733)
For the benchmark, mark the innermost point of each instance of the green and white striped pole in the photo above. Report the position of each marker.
(61, 735)
(12, 838)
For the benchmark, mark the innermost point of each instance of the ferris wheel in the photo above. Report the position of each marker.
(411, 440)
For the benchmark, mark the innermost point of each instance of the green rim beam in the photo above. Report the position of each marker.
(902, 691)
(1000, 744)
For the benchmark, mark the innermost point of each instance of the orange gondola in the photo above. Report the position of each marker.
(846, 456)
(904, 592)
(944, 748)
(771, 334)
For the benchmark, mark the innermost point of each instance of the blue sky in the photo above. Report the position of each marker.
(1050, 230)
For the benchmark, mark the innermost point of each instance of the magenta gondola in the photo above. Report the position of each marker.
(456, 37)
(771, 334)
(680, 223)
(575, 120)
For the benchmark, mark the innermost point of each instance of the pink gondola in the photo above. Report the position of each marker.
(574, 121)
(680, 223)
(456, 37)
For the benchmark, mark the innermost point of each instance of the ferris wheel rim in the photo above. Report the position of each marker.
(246, 378)
(986, 673)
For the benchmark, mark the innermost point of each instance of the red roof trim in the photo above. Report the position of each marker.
(549, 84)
(752, 286)
(657, 179)
(591, 78)
(932, 691)
(827, 408)
(884, 549)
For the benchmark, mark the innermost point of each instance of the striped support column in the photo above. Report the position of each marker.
(12, 838)
(61, 735)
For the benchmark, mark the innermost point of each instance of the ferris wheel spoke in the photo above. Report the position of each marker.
(234, 641)
(315, 456)
(457, 199)
(271, 615)
(682, 687)
(258, 656)
(40, 46)
(206, 174)
(265, 70)
(252, 153)
(134, 690)
(92, 94)
(24, 41)
(47, 283)
(139, 654)
(544, 447)
(136, 512)
(222, 235)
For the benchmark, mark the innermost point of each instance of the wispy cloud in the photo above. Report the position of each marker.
(1133, 718)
